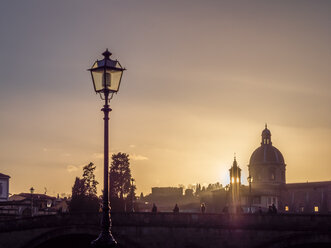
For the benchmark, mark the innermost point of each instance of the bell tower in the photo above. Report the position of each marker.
(235, 182)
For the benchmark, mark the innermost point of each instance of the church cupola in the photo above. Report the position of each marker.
(266, 136)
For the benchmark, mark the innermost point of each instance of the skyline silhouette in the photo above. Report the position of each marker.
(202, 80)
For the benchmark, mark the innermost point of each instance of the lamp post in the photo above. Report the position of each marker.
(132, 192)
(31, 191)
(106, 76)
(250, 179)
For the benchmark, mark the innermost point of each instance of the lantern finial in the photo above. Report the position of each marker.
(107, 54)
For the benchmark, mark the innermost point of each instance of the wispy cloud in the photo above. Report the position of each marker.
(132, 146)
(138, 157)
(97, 155)
(71, 168)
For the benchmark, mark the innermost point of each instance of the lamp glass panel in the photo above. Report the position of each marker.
(115, 79)
(113, 76)
(97, 77)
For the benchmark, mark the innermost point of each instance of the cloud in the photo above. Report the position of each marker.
(97, 155)
(132, 146)
(71, 168)
(134, 157)
(138, 157)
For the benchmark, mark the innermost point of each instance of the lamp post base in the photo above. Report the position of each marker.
(105, 240)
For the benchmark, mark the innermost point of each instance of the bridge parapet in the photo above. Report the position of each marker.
(243, 221)
(169, 230)
(233, 221)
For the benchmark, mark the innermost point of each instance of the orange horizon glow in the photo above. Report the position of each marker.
(202, 80)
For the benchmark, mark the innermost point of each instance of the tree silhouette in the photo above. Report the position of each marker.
(120, 175)
(131, 198)
(119, 181)
(79, 188)
(84, 198)
(89, 177)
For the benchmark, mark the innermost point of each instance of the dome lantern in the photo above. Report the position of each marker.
(266, 136)
(266, 153)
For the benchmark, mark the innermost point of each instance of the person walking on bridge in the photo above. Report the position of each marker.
(154, 208)
(176, 209)
(203, 208)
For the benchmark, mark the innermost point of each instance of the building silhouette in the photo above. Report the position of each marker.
(267, 170)
(4, 187)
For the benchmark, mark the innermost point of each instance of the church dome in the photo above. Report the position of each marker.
(266, 153)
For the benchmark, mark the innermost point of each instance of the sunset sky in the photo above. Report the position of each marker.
(202, 79)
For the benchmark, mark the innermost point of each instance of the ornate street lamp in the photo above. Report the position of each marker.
(106, 76)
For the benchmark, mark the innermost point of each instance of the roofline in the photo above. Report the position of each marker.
(4, 175)
(308, 184)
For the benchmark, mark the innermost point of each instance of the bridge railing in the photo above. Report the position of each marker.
(244, 221)
(188, 220)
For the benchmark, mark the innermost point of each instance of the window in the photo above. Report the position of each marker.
(237, 179)
(272, 174)
(316, 209)
(269, 200)
(258, 177)
(232, 179)
(287, 208)
(301, 209)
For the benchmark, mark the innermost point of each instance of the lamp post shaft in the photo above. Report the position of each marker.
(31, 204)
(105, 206)
(132, 191)
(105, 239)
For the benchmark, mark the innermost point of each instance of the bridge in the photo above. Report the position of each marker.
(169, 230)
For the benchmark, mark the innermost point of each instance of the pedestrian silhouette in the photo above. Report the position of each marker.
(176, 209)
(260, 210)
(274, 209)
(270, 210)
(203, 208)
(154, 208)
